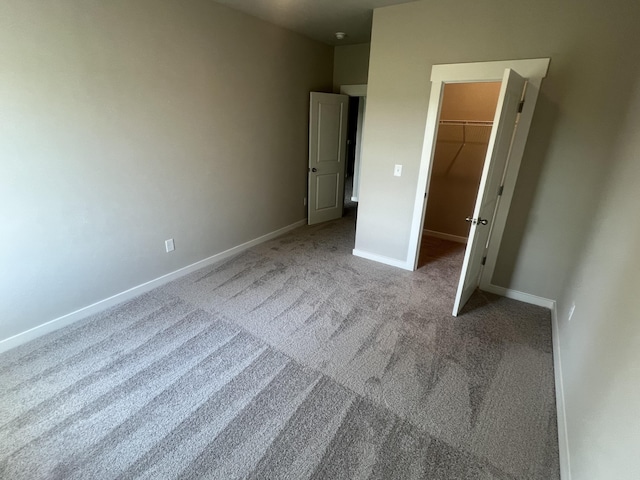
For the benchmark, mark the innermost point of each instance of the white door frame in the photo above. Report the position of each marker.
(357, 91)
(534, 71)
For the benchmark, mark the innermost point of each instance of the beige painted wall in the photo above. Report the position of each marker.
(470, 101)
(455, 177)
(128, 123)
(350, 65)
(574, 127)
(600, 346)
(556, 245)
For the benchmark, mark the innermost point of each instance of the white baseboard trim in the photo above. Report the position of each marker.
(445, 236)
(517, 295)
(563, 437)
(101, 305)
(382, 259)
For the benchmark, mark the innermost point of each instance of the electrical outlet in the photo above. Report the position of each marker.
(397, 171)
(571, 310)
(169, 245)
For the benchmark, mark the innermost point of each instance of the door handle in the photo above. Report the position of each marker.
(473, 221)
(314, 169)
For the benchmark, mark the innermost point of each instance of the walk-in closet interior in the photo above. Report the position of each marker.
(466, 119)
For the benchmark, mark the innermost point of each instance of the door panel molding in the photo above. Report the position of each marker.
(327, 190)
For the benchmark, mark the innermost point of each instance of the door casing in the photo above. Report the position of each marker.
(357, 91)
(534, 70)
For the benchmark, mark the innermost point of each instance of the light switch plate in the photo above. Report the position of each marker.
(397, 171)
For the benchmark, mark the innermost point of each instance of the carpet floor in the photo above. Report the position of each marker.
(292, 360)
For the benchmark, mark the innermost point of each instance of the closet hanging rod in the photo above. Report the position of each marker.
(470, 123)
(465, 124)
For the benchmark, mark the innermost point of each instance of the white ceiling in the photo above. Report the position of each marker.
(317, 19)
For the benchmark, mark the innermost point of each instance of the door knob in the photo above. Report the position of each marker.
(482, 221)
(314, 169)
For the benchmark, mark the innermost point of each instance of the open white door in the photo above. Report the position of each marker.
(327, 153)
(490, 189)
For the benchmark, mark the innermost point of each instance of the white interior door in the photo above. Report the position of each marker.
(327, 154)
(498, 152)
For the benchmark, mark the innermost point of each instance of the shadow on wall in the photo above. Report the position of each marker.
(599, 120)
(520, 213)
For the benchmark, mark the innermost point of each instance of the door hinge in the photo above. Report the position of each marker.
(500, 190)
(484, 260)
(425, 194)
(520, 106)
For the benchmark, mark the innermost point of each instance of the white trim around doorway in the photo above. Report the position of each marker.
(534, 71)
(357, 91)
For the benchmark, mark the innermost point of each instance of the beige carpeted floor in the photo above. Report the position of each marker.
(294, 360)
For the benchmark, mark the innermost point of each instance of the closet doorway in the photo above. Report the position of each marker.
(464, 129)
(519, 86)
